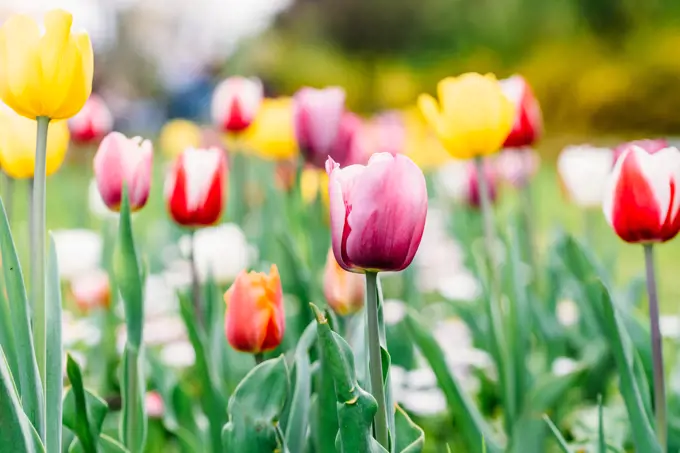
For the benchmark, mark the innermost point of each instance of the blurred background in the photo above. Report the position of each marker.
(599, 67)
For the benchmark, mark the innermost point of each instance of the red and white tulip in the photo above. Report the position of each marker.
(235, 103)
(92, 123)
(528, 124)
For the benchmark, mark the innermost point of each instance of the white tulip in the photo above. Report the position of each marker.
(78, 251)
(584, 171)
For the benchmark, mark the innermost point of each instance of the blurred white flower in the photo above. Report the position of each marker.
(159, 297)
(583, 171)
(79, 331)
(567, 312)
(78, 251)
(220, 251)
(462, 286)
(670, 326)
(393, 311)
(517, 165)
(425, 402)
(453, 180)
(179, 354)
(564, 365)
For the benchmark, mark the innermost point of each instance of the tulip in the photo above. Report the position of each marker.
(473, 117)
(344, 290)
(459, 181)
(177, 135)
(78, 252)
(389, 133)
(377, 213)
(254, 320)
(48, 73)
(640, 199)
(235, 103)
(650, 145)
(195, 187)
(121, 160)
(272, 135)
(583, 172)
(350, 143)
(528, 119)
(91, 290)
(17, 145)
(317, 116)
(92, 123)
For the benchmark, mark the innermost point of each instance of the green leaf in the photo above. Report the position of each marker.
(15, 432)
(133, 421)
(28, 379)
(356, 408)
(298, 417)
(128, 275)
(7, 336)
(96, 411)
(54, 353)
(255, 408)
(642, 430)
(561, 442)
(83, 427)
(467, 415)
(410, 438)
(602, 443)
(110, 445)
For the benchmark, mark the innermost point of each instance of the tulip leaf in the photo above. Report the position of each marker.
(409, 438)
(7, 336)
(356, 408)
(54, 353)
(96, 410)
(255, 409)
(110, 445)
(561, 442)
(466, 414)
(82, 424)
(298, 414)
(27, 379)
(16, 434)
(133, 421)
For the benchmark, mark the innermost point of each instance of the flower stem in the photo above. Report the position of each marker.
(487, 217)
(529, 232)
(38, 248)
(375, 359)
(657, 351)
(259, 358)
(195, 282)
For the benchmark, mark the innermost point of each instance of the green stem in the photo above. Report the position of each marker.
(131, 396)
(38, 248)
(8, 194)
(528, 231)
(657, 351)
(195, 282)
(375, 358)
(488, 223)
(259, 358)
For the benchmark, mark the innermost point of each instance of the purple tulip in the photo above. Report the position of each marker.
(377, 212)
(316, 117)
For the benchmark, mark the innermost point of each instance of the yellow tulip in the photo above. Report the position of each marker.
(271, 135)
(473, 117)
(312, 182)
(17, 144)
(48, 74)
(422, 146)
(178, 135)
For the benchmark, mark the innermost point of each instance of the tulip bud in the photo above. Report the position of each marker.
(528, 123)
(235, 103)
(344, 290)
(377, 213)
(473, 117)
(91, 290)
(195, 187)
(92, 123)
(123, 160)
(317, 116)
(583, 171)
(255, 321)
(641, 201)
(650, 145)
(45, 72)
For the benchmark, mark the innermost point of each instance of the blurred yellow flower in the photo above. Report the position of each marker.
(178, 135)
(312, 182)
(48, 74)
(422, 146)
(271, 135)
(473, 117)
(17, 144)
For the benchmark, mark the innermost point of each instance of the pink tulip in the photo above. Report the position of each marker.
(642, 202)
(235, 103)
(528, 124)
(389, 133)
(649, 145)
(349, 146)
(92, 123)
(377, 212)
(317, 115)
(517, 166)
(123, 160)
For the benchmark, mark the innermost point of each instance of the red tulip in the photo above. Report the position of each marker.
(123, 160)
(528, 124)
(641, 200)
(377, 212)
(317, 115)
(344, 290)
(255, 321)
(650, 145)
(235, 103)
(92, 123)
(195, 187)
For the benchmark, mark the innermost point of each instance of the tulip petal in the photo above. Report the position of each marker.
(340, 185)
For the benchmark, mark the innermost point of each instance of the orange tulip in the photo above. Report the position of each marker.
(344, 290)
(255, 321)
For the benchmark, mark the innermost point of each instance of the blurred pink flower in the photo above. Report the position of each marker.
(517, 165)
(155, 407)
(388, 133)
(350, 144)
(91, 290)
(377, 212)
(93, 121)
(473, 194)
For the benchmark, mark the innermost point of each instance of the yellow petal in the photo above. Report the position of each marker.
(429, 109)
(53, 46)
